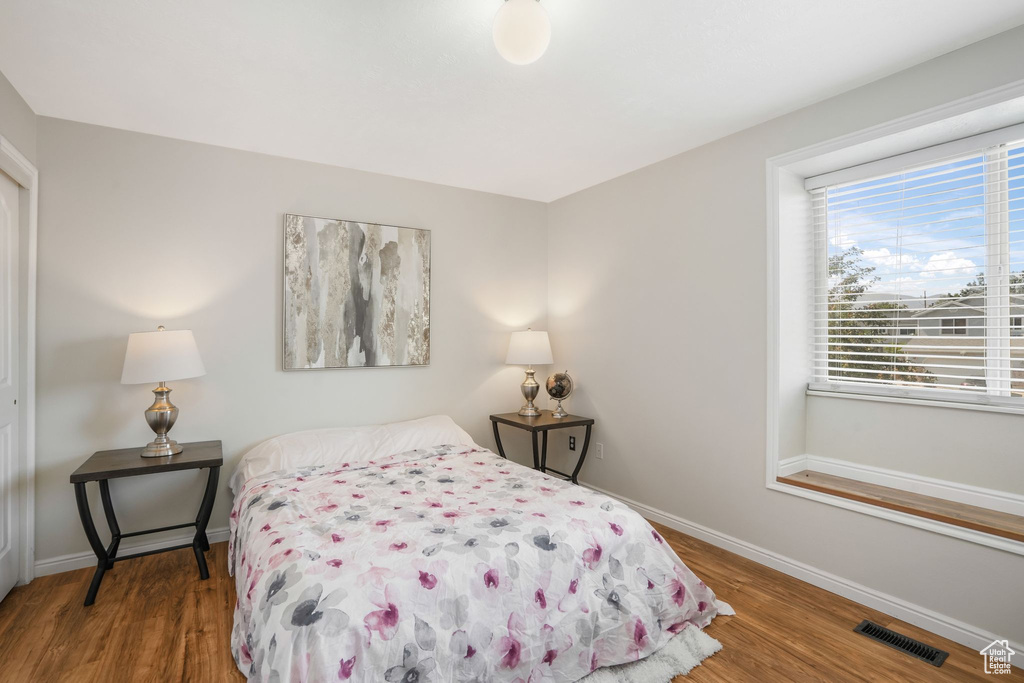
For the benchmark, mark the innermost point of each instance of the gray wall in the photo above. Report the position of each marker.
(17, 120)
(137, 231)
(657, 305)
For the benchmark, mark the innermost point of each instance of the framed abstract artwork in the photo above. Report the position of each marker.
(356, 295)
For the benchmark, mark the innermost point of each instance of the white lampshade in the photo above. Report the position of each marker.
(529, 348)
(521, 31)
(161, 356)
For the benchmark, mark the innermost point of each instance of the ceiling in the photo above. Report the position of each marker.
(416, 89)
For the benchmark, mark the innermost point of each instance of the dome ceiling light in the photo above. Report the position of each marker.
(521, 31)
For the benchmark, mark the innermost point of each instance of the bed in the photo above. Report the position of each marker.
(407, 553)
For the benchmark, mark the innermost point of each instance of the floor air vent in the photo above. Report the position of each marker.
(897, 641)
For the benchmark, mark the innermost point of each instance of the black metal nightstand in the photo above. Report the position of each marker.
(543, 424)
(126, 462)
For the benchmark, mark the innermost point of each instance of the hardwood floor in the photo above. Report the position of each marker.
(946, 511)
(154, 620)
(785, 629)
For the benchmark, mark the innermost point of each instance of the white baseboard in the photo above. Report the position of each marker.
(947, 627)
(791, 466)
(1002, 501)
(66, 563)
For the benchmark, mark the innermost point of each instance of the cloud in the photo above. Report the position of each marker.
(841, 242)
(908, 274)
(908, 269)
(884, 257)
(903, 286)
(960, 214)
(948, 264)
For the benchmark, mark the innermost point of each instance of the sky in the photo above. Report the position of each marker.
(923, 230)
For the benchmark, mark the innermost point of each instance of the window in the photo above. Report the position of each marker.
(954, 326)
(919, 273)
(819, 207)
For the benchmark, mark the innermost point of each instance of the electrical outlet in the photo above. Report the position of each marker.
(599, 451)
(572, 443)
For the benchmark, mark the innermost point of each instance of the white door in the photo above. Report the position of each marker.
(10, 523)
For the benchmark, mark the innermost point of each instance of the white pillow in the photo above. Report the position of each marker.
(354, 445)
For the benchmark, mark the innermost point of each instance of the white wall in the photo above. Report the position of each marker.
(137, 231)
(17, 120)
(657, 305)
(965, 446)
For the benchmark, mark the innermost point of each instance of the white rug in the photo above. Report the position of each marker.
(679, 656)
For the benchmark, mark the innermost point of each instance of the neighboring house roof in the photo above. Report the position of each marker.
(956, 303)
(966, 303)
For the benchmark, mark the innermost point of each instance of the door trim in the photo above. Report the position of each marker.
(16, 165)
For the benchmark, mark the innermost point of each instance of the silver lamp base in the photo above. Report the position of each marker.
(161, 417)
(530, 389)
(158, 449)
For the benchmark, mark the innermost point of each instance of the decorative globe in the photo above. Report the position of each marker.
(559, 386)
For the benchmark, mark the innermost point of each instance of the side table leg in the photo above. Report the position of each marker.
(204, 541)
(82, 498)
(544, 451)
(536, 455)
(583, 456)
(200, 542)
(115, 530)
(497, 441)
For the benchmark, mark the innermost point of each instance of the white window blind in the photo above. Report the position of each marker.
(919, 276)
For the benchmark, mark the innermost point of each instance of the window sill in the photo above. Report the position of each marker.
(948, 512)
(989, 406)
(901, 506)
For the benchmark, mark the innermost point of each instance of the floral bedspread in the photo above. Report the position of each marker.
(447, 564)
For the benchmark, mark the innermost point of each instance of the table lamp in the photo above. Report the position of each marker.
(529, 348)
(161, 357)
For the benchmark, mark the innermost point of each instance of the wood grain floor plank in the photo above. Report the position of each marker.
(154, 620)
(812, 627)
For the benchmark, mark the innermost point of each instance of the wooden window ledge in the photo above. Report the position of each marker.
(987, 521)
